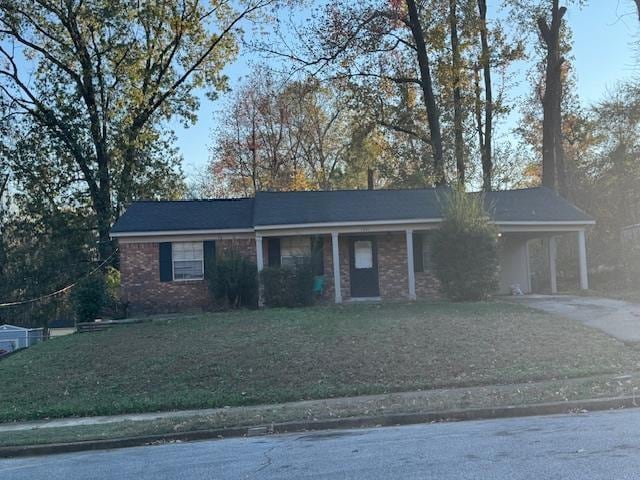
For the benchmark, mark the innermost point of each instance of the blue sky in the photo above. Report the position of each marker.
(606, 38)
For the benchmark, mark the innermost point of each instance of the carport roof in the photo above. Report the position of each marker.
(270, 209)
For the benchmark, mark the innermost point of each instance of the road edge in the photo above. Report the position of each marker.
(484, 413)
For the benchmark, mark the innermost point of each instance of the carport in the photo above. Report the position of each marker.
(529, 217)
(514, 254)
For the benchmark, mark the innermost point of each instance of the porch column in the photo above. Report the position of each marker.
(336, 267)
(259, 253)
(410, 272)
(260, 263)
(553, 254)
(582, 254)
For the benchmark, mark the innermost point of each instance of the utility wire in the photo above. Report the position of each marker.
(62, 290)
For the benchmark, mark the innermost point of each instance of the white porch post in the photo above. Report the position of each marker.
(553, 254)
(336, 267)
(411, 274)
(582, 252)
(260, 263)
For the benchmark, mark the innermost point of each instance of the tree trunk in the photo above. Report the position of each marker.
(485, 61)
(433, 114)
(553, 174)
(104, 210)
(457, 93)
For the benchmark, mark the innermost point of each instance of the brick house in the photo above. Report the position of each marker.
(371, 244)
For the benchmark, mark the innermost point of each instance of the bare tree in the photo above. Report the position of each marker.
(485, 133)
(553, 168)
(457, 92)
(433, 112)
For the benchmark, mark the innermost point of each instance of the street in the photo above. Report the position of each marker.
(601, 445)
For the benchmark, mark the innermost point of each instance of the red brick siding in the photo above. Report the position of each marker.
(392, 266)
(142, 288)
(392, 269)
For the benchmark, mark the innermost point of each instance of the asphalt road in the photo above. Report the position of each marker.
(604, 445)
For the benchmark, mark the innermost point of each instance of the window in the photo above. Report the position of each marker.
(421, 252)
(426, 252)
(293, 250)
(188, 261)
(363, 251)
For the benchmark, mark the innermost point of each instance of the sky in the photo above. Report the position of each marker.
(604, 34)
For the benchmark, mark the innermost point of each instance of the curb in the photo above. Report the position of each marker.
(550, 408)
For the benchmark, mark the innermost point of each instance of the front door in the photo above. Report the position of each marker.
(363, 255)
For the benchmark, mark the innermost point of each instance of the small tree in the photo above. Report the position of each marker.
(233, 280)
(89, 297)
(465, 248)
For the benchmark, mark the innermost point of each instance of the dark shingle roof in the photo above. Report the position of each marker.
(165, 216)
(288, 208)
(281, 208)
(538, 204)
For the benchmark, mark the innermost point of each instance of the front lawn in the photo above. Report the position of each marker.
(252, 357)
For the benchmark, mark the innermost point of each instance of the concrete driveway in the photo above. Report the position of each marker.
(618, 318)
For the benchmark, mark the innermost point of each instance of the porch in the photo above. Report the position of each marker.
(377, 262)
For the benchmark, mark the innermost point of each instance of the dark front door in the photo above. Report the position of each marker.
(363, 260)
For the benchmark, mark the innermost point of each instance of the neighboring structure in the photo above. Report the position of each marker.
(13, 337)
(374, 243)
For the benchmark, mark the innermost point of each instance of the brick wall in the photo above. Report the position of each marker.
(392, 266)
(142, 288)
(392, 269)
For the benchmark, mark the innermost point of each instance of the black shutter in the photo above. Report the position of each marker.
(274, 252)
(317, 255)
(418, 264)
(166, 263)
(209, 250)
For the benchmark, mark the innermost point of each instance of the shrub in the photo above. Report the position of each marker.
(89, 297)
(115, 307)
(288, 286)
(465, 248)
(233, 280)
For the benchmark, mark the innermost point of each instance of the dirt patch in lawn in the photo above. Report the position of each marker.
(272, 356)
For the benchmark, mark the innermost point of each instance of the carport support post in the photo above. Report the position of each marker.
(411, 273)
(553, 255)
(336, 266)
(260, 263)
(582, 252)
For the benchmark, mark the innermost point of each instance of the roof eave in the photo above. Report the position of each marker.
(156, 233)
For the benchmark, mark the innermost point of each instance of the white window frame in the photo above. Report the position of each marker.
(296, 259)
(369, 257)
(173, 262)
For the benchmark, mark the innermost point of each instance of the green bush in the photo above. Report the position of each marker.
(89, 297)
(233, 280)
(115, 307)
(288, 286)
(465, 248)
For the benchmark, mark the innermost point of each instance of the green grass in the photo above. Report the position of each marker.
(254, 357)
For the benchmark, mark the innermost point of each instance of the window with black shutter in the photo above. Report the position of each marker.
(273, 246)
(418, 260)
(209, 247)
(166, 263)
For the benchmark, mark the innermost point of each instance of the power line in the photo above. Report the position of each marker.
(62, 290)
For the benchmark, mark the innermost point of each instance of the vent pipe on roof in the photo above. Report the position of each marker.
(369, 178)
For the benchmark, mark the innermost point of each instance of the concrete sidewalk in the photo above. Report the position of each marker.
(617, 318)
(490, 396)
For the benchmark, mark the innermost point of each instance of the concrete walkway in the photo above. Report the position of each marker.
(417, 402)
(617, 318)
